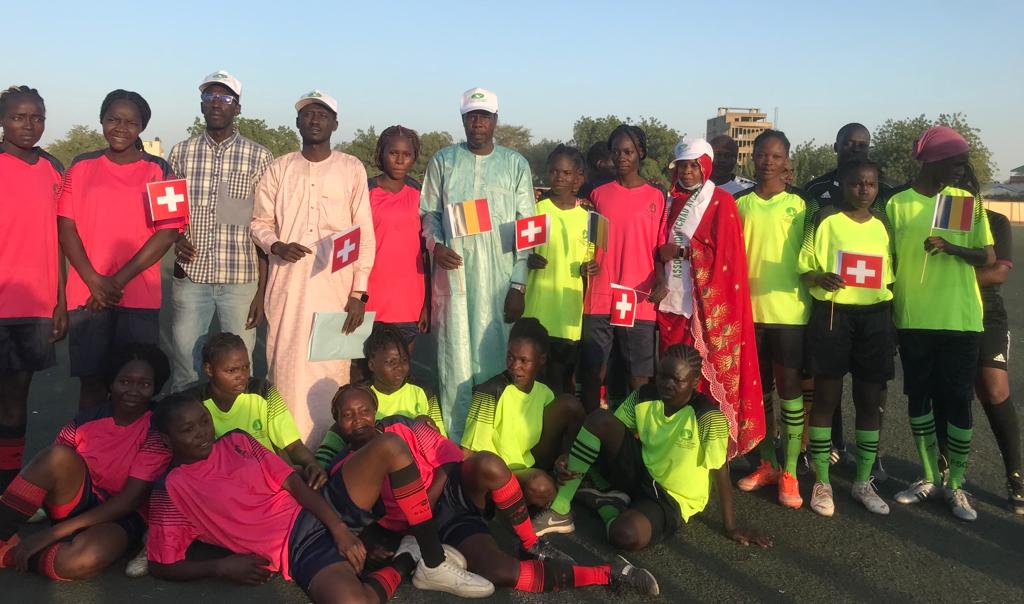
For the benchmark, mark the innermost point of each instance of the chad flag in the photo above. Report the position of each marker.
(470, 217)
(953, 213)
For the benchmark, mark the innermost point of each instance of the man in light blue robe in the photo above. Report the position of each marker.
(479, 281)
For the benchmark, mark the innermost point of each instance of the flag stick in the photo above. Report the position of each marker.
(924, 266)
(832, 311)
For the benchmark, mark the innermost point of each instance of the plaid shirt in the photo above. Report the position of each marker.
(222, 179)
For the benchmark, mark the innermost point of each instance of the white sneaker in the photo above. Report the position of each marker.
(411, 547)
(39, 516)
(961, 506)
(864, 492)
(922, 490)
(821, 499)
(139, 565)
(449, 578)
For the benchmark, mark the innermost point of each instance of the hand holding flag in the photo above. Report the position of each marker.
(470, 218)
(623, 306)
(168, 199)
(532, 231)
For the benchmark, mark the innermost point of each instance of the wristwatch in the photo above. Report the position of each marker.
(362, 297)
(519, 287)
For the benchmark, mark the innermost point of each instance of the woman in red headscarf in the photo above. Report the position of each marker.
(708, 304)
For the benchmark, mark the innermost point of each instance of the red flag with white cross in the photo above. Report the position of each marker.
(168, 199)
(861, 270)
(345, 250)
(532, 231)
(623, 306)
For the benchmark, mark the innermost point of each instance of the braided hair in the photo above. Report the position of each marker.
(169, 405)
(145, 113)
(390, 133)
(776, 134)
(383, 337)
(148, 354)
(635, 134)
(353, 387)
(16, 91)
(687, 354)
(571, 153)
(530, 329)
(220, 344)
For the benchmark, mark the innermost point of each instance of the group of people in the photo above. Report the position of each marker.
(348, 477)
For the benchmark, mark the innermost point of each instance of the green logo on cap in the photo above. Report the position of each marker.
(220, 75)
(314, 95)
(476, 96)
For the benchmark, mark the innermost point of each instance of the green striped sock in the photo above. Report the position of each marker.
(583, 454)
(923, 428)
(867, 452)
(792, 430)
(820, 445)
(959, 445)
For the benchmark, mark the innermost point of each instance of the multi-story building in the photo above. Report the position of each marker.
(742, 124)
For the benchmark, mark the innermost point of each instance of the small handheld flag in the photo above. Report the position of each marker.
(532, 231)
(345, 248)
(168, 199)
(623, 306)
(953, 213)
(597, 231)
(860, 270)
(470, 217)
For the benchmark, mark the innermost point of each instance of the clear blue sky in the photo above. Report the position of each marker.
(820, 63)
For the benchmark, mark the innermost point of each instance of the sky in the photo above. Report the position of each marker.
(817, 64)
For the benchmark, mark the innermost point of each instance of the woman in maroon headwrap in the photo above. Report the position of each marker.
(708, 304)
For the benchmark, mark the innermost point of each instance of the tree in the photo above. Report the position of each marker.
(279, 141)
(893, 141)
(661, 141)
(810, 161)
(516, 138)
(364, 144)
(79, 139)
(537, 156)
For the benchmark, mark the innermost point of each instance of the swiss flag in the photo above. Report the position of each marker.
(345, 250)
(532, 231)
(623, 306)
(861, 270)
(168, 199)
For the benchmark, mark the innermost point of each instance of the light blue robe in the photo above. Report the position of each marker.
(468, 303)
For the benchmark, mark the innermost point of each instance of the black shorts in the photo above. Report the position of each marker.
(310, 549)
(93, 336)
(25, 345)
(627, 472)
(456, 516)
(939, 361)
(782, 344)
(132, 523)
(994, 348)
(636, 344)
(861, 341)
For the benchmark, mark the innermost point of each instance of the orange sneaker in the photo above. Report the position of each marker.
(789, 491)
(764, 475)
(5, 550)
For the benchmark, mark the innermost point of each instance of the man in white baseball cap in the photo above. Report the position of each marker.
(317, 96)
(224, 79)
(481, 284)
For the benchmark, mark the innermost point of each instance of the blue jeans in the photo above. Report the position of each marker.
(194, 305)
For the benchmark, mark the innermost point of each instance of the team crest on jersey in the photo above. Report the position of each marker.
(791, 211)
(685, 440)
(257, 424)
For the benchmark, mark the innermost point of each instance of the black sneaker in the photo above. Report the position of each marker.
(544, 550)
(1015, 490)
(550, 521)
(626, 576)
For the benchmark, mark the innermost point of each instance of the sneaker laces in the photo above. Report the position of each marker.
(960, 498)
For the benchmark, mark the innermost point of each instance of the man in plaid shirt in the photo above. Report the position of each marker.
(218, 268)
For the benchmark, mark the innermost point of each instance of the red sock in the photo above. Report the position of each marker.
(385, 581)
(591, 575)
(23, 496)
(509, 499)
(531, 576)
(411, 497)
(48, 562)
(6, 547)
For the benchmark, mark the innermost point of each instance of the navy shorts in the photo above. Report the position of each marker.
(25, 345)
(635, 343)
(310, 549)
(355, 517)
(132, 523)
(93, 336)
(456, 516)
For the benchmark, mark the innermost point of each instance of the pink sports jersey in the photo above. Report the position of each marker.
(108, 203)
(235, 499)
(399, 259)
(115, 453)
(28, 236)
(429, 449)
(634, 223)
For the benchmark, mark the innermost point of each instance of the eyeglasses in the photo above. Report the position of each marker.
(227, 99)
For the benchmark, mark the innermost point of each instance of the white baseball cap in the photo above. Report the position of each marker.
(479, 99)
(691, 148)
(317, 96)
(224, 79)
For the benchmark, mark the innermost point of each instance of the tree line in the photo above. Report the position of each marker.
(891, 143)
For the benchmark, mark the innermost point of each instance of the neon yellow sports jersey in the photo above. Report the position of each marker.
(948, 298)
(259, 411)
(554, 294)
(679, 451)
(833, 231)
(410, 401)
(772, 233)
(505, 421)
